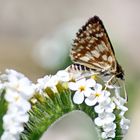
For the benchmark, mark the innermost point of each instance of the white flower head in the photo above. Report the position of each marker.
(14, 108)
(105, 106)
(11, 124)
(47, 81)
(109, 127)
(52, 82)
(8, 136)
(18, 82)
(41, 83)
(120, 104)
(110, 134)
(82, 88)
(19, 90)
(11, 75)
(124, 123)
(63, 76)
(98, 95)
(104, 118)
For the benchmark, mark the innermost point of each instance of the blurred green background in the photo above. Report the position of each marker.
(36, 35)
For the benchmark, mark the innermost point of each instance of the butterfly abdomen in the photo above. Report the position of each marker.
(78, 68)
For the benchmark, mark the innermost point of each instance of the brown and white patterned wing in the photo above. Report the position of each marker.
(92, 47)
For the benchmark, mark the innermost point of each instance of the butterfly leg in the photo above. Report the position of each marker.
(107, 83)
(86, 75)
(126, 95)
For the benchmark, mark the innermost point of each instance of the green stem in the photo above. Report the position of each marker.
(3, 109)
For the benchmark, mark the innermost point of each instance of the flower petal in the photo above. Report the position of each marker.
(63, 75)
(109, 127)
(110, 107)
(106, 93)
(90, 102)
(88, 92)
(98, 121)
(98, 87)
(110, 117)
(78, 97)
(98, 109)
(73, 86)
(81, 82)
(90, 83)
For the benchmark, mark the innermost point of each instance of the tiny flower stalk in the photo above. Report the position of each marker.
(30, 109)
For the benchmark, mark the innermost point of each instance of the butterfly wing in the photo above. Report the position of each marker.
(92, 47)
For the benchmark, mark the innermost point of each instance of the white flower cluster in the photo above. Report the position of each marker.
(52, 81)
(18, 91)
(90, 92)
(120, 103)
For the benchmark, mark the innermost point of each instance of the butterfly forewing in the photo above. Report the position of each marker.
(92, 47)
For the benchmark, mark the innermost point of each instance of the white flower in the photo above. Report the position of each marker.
(104, 118)
(82, 88)
(14, 97)
(17, 108)
(124, 123)
(14, 119)
(109, 127)
(47, 81)
(26, 88)
(11, 75)
(63, 76)
(1, 85)
(11, 124)
(41, 83)
(18, 82)
(19, 90)
(110, 134)
(120, 104)
(98, 95)
(105, 106)
(52, 82)
(120, 101)
(8, 136)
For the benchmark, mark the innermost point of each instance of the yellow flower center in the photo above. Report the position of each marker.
(97, 94)
(82, 88)
(17, 86)
(16, 98)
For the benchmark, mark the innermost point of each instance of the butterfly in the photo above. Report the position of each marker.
(92, 51)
